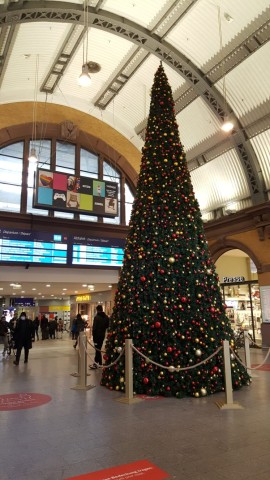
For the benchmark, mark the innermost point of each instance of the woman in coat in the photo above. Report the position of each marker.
(23, 334)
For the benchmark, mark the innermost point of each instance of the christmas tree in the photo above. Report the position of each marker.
(168, 299)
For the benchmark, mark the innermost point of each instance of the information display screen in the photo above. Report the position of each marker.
(28, 246)
(70, 193)
(97, 251)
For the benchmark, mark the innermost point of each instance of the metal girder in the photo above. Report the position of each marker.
(201, 85)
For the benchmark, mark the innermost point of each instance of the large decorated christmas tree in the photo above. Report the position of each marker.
(168, 299)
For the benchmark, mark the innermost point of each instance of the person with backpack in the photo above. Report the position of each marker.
(100, 325)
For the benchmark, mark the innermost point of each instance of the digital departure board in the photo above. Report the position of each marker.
(28, 246)
(97, 251)
(32, 247)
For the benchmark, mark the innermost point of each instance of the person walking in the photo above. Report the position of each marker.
(100, 325)
(36, 327)
(44, 322)
(24, 333)
(80, 326)
(4, 334)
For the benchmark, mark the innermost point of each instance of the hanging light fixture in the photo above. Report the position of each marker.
(227, 124)
(33, 154)
(84, 79)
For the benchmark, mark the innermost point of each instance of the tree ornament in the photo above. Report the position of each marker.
(198, 353)
(119, 349)
(171, 260)
(203, 392)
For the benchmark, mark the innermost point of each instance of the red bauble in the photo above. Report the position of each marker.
(169, 349)
(183, 299)
(143, 279)
(157, 324)
(146, 380)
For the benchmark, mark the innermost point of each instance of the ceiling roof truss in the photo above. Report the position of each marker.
(152, 43)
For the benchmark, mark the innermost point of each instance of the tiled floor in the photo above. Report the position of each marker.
(82, 431)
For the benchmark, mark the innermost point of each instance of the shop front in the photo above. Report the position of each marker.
(242, 299)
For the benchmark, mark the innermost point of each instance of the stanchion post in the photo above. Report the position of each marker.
(129, 368)
(247, 354)
(228, 380)
(129, 397)
(247, 350)
(82, 367)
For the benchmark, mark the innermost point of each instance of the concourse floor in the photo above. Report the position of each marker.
(83, 431)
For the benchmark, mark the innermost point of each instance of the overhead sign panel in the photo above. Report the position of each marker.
(70, 193)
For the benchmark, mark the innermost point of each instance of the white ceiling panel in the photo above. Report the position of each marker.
(245, 96)
(220, 182)
(37, 42)
(198, 35)
(135, 108)
(144, 12)
(196, 123)
(261, 145)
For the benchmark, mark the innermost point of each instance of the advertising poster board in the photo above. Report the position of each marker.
(78, 194)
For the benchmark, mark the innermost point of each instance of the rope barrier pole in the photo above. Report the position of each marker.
(129, 397)
(247, 354)
(77, 373)
(229, 404)
(247, 350)
(82, 358)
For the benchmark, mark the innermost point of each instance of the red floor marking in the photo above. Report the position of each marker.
(141, 470)
(264, 368)
(19, 401)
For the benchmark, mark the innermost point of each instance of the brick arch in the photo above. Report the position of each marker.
(218, 248)
(93, 134)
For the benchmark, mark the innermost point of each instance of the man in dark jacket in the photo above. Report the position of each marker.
(23, 334)
(100, 325)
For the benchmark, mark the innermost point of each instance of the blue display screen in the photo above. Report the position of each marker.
(97, 251)
(32, 247)
(27, 246)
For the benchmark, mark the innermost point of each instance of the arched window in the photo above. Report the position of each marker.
(17, 177)
(11, 167)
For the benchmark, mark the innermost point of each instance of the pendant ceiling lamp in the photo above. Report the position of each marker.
(227, 125)
(84, 79)
(33, 153)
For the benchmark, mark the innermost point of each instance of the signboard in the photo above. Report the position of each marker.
(32, 247)
(233, 279)
(265, 303)
(70, 193)
(23, 302)
(83, 298)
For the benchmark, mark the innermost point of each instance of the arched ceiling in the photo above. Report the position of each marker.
(216, 56)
